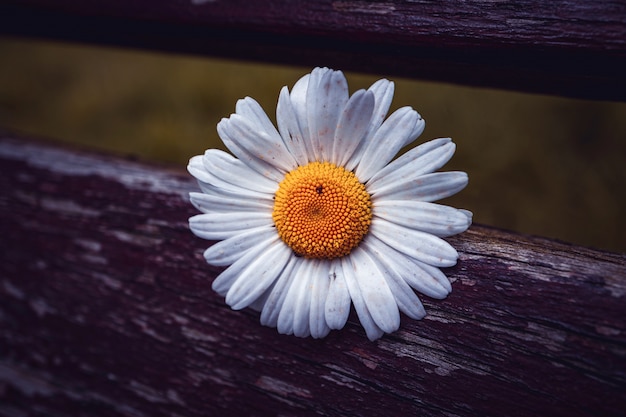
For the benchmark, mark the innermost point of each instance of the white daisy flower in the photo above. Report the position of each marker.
(315, 216)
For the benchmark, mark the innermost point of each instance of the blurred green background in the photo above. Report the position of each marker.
(537, 164)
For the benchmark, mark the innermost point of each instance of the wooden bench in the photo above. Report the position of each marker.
(105, 301)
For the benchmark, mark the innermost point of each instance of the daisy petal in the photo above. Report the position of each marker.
(383, 94)
(298, 95)
(197, 169)
(278, 295)
(423, 159)
(418, 245)
(229, 191)
(225, 280)
(352, 126)
(302, 313)
(387, 141)
(408, 302)
(208, 203)
(319, 292)
(218, 226)
(327, 95)
(289, 128)
(371, 329)
(228, 251)
(429, 187)
(298, 101)
(436, 274)
(257, 305)
(251, 110)
(241, 139)
(260, 144)
(468, 213)
(338, 301)
(224, 168)
(417, 130)
(375, 291)
(431, 218)
(416, 274)
(294, 314)
(258, 276)
(231, 186)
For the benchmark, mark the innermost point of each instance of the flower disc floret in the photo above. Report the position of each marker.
(322, 211)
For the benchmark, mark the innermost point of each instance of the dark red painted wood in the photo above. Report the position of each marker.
(568, 47)
(106, 310)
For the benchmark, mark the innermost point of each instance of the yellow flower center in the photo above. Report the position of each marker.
(322, 211)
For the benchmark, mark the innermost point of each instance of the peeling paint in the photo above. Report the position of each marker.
(153, 395)
(87, 244)
(145, 328)
(135, 239)
(469, 282)
(277, 386)
(344, 381)
(435, 354)
(196, 335)
(550, 338)
(364, 358)
(108, 280)
(217, 376)
(204, 351)
(179, 319)
(445, 370)
(435, 316)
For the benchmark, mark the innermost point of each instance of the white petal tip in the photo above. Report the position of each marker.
(468, 214)
(416, 315)
(374, 334)
(439, 295)
(221, 290)
(336, 319)
(320, 333)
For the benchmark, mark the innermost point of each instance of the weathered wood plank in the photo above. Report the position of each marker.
(566, 47)
(106, 310)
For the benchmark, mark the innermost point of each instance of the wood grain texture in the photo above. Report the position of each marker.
(568, 47)
(106, 310)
